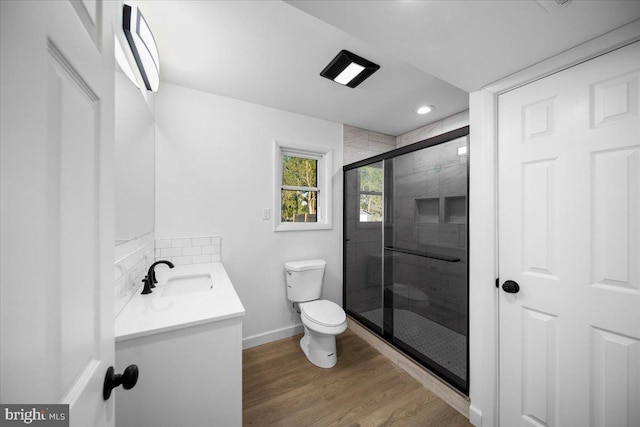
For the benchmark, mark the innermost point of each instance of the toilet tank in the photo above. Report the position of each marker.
(304, 279)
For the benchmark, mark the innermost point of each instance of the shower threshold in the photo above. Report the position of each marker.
(438, 343)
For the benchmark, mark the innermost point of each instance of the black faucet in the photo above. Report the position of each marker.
(150, 278)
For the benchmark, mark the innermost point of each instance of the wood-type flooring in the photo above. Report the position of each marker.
(282, 388)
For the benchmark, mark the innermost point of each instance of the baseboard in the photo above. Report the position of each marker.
(475, 416)
(443, 390)
(275, 335)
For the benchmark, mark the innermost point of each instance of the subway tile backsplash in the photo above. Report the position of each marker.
(130, 270)
(190, 250)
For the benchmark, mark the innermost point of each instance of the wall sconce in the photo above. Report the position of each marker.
(123, 62)
(143, 46)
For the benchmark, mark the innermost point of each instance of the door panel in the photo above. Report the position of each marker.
(72, 179)
(539, 367)
(615, 175)
(569, 225)
(539, 236)
(615, 391)
(57, 211)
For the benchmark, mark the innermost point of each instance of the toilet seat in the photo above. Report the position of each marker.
(323, 316)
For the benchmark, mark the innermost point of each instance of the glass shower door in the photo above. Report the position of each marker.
(405, 251)
(363, 243)
(425, 244)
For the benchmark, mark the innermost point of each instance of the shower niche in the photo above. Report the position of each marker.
(406, 251)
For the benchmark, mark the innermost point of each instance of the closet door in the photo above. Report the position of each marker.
(569, 237)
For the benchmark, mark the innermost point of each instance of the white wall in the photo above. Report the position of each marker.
(483, 305)
(214, 174)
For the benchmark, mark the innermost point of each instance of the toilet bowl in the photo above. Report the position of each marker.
(322, 319)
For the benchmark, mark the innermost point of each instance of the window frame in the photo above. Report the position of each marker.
(324, 157)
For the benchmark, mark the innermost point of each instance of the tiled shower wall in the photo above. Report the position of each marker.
(360, 144)
(131, 269)
(434, 129)
(430, 213)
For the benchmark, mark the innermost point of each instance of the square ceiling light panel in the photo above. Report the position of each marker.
(349, 69)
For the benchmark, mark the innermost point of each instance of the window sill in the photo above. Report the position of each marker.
(302, 226)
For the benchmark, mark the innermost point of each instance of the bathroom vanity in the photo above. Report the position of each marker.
(186, 338)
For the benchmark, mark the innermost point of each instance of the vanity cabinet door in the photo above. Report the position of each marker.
(192, 376)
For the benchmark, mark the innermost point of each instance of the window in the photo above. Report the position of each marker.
(370, 182)
(299, 195)
(302, 197)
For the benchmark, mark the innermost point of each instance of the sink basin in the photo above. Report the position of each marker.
(191, 284)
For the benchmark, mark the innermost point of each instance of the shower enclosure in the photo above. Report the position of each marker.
(405, 251)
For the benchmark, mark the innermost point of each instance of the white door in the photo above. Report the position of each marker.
(57, 205)
(569, 235)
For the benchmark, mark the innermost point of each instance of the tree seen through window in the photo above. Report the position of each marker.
(299, 193)
(370, 189)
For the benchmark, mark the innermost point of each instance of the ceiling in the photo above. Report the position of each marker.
(430, 52)
(470, 44)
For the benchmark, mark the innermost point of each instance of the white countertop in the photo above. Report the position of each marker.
(152, 313)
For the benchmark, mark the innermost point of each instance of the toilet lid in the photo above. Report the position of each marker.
(324, 312)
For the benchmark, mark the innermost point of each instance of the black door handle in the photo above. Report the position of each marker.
(511, 287)
(127, 379)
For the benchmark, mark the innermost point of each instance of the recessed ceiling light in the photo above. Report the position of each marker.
(349, 69)
(424, 109)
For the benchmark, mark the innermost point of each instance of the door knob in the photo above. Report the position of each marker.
(511, 287)
(127, 379)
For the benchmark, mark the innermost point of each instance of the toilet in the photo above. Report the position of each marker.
(322, 319)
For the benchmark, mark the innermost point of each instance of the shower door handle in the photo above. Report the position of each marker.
(511, 287)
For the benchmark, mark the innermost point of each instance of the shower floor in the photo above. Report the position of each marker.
(440, 344)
